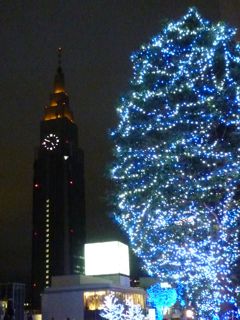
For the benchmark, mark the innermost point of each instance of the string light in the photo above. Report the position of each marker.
(177, 160)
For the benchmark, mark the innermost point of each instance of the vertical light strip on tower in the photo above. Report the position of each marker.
(47, 256)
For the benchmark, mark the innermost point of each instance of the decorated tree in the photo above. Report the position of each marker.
(134, 311)
(177, 160)
(159, 298)
(113, 309)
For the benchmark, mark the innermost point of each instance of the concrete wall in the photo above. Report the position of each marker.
(63, 305)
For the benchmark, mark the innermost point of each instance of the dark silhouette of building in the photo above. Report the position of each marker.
(58, 194)
(12, 298)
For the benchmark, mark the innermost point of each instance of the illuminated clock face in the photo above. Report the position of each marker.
(50, 142)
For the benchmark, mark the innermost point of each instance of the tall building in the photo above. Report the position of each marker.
(58, 194)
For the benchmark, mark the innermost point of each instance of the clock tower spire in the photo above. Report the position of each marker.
(59, 100)
(59, 77)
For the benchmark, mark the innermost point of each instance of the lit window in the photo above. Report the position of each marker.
(47, 250)
(47, 245)
(47, 255)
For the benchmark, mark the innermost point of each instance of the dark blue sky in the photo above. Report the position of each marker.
(97, 37)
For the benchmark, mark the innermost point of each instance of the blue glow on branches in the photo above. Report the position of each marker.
(159, 298)
(177, 160)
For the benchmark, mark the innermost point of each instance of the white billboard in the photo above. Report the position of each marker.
(103, 258)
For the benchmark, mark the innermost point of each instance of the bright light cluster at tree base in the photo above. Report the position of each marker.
(177, 161)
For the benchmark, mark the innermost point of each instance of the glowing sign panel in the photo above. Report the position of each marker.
(106, 258)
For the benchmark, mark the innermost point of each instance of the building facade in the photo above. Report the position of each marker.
(58, 194)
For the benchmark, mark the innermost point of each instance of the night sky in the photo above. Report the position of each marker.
(97, 37)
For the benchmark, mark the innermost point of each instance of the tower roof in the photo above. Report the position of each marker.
(59, 101)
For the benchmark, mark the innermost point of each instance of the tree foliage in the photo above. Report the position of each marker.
(115, 310)
(159, 298)
(177, 159)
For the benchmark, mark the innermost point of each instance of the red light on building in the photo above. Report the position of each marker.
(36, 185)
(34, 285)
(71, 182)
(35, 233)
(71, 231)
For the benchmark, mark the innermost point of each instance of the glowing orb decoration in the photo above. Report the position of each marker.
(189, 314)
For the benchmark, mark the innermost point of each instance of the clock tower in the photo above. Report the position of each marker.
(58, 194)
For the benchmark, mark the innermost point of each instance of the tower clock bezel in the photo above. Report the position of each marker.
(51, 142)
